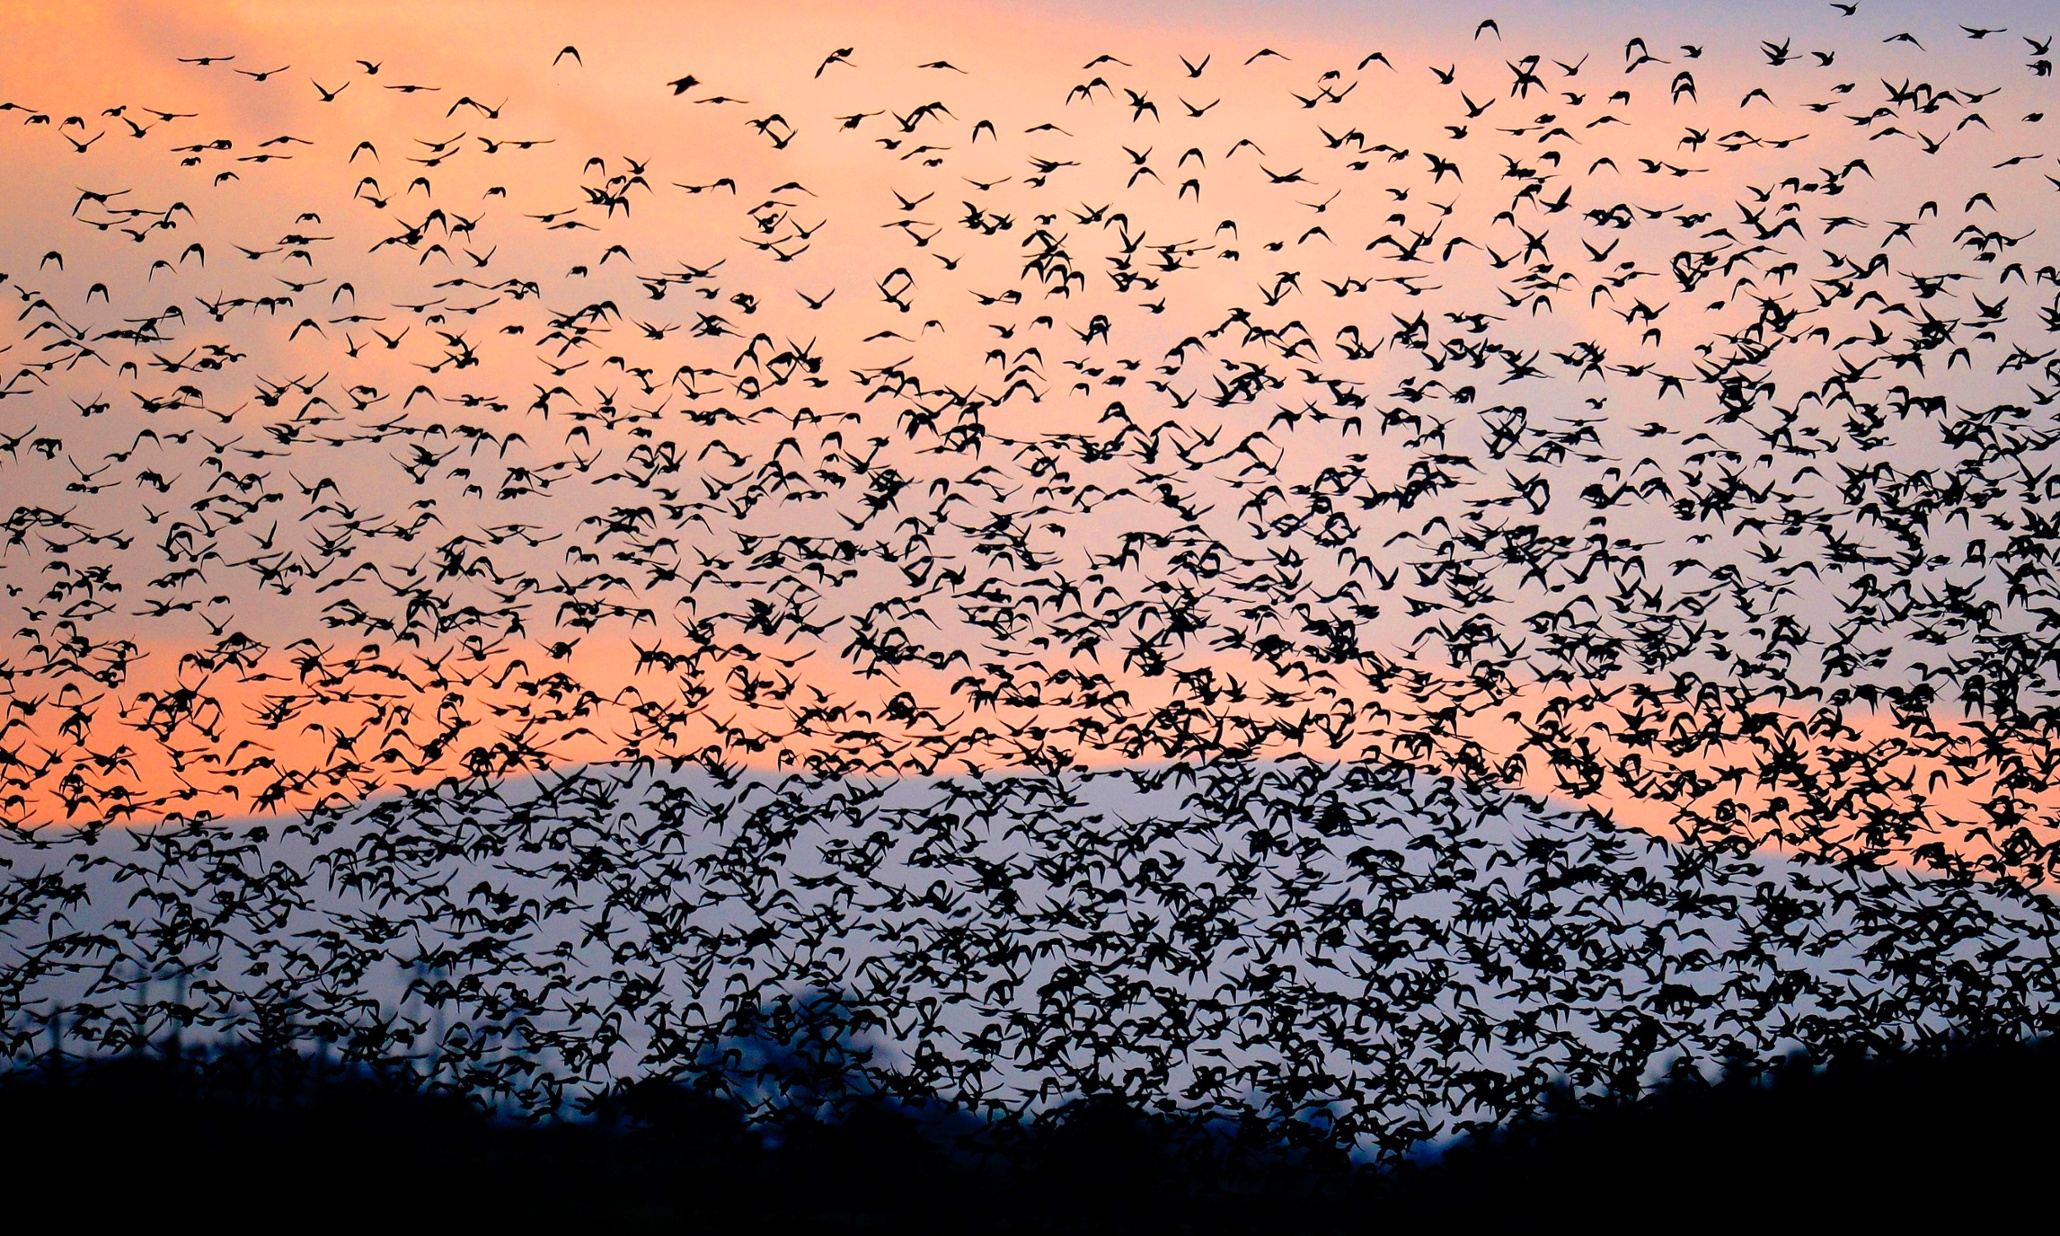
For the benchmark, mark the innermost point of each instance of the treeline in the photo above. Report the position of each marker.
(244, 1136)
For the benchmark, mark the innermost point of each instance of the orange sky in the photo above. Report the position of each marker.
(127, 703)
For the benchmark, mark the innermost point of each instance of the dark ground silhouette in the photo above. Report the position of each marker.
(241, 1137)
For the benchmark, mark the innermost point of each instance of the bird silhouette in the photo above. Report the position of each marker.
(1576, 609)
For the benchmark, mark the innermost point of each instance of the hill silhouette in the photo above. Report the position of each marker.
(245, 1136)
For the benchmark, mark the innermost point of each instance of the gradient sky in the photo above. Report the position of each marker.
(188, 689)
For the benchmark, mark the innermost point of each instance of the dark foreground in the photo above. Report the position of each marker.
(244, 1139)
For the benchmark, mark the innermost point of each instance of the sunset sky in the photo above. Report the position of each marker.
(505, 408)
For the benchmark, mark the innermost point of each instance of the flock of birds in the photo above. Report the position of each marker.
(1170, 581)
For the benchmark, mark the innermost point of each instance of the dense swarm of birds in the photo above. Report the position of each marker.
(1393, 959)
(1173, 582)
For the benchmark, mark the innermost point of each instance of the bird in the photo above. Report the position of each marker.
(1348, 676)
